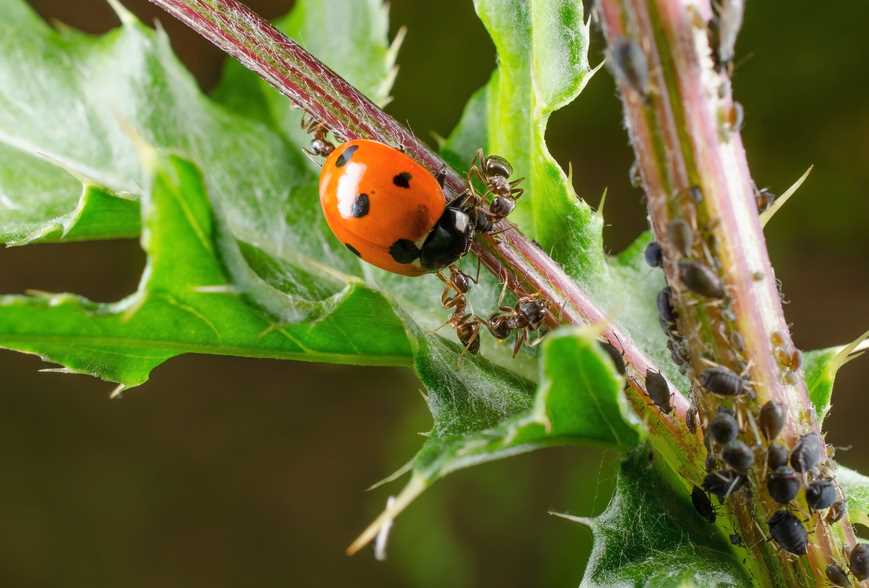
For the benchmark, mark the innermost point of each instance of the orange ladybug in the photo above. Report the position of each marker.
(389, 210)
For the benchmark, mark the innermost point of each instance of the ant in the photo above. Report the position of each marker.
(320, 144)
(494, 172)
(526, 316)
(454, 297)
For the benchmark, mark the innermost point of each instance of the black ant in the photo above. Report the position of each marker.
(454, 297)
(526, 316)
(494, 172)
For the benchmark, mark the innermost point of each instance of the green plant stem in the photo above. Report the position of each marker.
(681, 125)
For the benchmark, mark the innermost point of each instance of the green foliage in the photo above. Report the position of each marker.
(650, 536)
(241, 262)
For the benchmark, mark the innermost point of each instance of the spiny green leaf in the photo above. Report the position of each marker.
(651, 536)
(821, 366)
(186, 304)
(578, 398)
(267, 240)
(855, 487)
(542, 66)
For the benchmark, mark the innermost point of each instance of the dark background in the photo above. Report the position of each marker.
(233, 472)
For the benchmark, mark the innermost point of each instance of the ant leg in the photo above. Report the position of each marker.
(503, 288)
(520, 339)
(441, 176)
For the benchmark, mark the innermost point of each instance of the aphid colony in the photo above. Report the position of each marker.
(391, 212)
(735, 436)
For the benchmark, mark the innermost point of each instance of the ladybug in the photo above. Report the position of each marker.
(390, 211)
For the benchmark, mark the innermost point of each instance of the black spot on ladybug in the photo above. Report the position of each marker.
(360, 206)
(404, 251)
(402, 180)
(345, 157)
(352, 250)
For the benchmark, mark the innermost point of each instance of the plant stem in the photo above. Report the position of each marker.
(683, 126)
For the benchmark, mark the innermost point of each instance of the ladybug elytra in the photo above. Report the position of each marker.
(390, 211)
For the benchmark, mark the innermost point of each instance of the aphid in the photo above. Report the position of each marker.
(629, 65)
(654, 254)
(772, 419)
(776, 456)
(691, 419)
(634, 175)
(722, 483)
(658, 391)
(666, 311)
(702, 504)
(678, 351)
(735, 539)
(681, 236)
(722, 381)
(614, 354)
(789, 533)
(696, 194)
(783, 484)
(858, 561)
(723, 427)
(735, 117)
(738, 456)
(728, 21)
(390, 211)
(807, 453)
(821, 494)
(837, 576)
(764, 198)
(700, 279)
(836, 512)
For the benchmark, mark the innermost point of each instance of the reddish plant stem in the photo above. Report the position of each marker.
(323, 94)
(680, 119)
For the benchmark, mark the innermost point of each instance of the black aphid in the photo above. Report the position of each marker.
(723, 428)
(681, 236)
(654, 254)
(821, 494)
(629, 65)
(666, 312)
(722, 483)
(776, 456)
(858, 561)
(807, 453)
(837, 576)
(772, 419)
(789, 533)
(700, 279)
(783, 484)
(702, 504)
(615, 355)
(658, 391)
(738, 455)
(722, 381)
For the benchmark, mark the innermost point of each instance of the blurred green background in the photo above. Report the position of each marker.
(230, 472)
